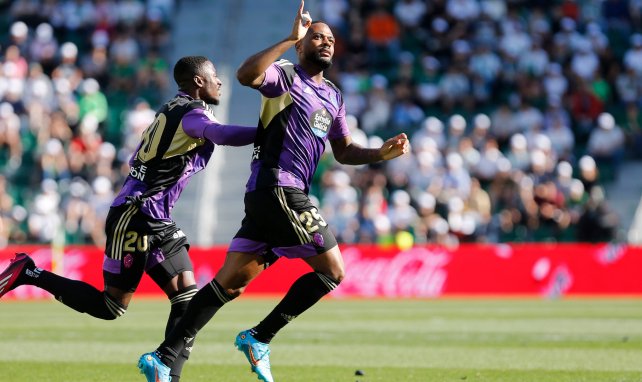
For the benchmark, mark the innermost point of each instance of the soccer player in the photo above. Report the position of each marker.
(141, 235)
(300, 111)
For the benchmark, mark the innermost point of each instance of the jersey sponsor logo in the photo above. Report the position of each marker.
(138, 172)
(320, 122)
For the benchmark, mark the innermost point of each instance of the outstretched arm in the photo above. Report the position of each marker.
(347, 152)
(198, 124)
(252, 70)
(230, 135)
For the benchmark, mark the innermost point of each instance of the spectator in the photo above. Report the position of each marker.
(606, 145)
(382, 31)
(61, 100)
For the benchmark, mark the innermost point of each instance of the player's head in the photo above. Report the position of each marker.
(196, 76)
(317, 47)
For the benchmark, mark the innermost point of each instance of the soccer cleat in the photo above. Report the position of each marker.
(153, 369)
(10, 278)
(257, 353)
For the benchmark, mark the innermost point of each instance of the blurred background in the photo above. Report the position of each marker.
(524, 116)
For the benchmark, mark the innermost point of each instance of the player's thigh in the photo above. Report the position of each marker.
(126, 248)
(169, 264)
(287, 218)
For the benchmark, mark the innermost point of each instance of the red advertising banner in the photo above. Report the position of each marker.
(422, 271)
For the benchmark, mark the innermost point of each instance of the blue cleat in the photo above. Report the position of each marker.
(154, 370)
(257, 353)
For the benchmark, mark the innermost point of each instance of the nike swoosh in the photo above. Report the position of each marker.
(253, 360)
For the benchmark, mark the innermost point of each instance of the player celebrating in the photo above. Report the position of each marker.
(300, 111)
(141, 235)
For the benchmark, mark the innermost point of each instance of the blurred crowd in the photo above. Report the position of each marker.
(518, 112)
(79, 81)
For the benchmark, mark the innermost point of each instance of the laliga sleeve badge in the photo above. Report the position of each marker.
(318, 239)
(128, 261)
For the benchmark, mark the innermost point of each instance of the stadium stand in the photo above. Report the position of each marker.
(78, 82)
(521, 113)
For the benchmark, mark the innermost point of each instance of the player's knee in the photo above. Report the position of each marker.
(235, 292)
(331, 281)
(233, 286)
(114, 307)
(336, 275)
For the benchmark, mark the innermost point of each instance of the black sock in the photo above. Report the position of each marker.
(179, 300)
(305, 292)
(77, 295)
(200, 310)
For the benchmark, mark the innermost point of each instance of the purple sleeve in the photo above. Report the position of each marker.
(199, 123)
(339, 128)
(275, 82)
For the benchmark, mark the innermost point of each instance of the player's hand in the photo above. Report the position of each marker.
(395, 147)
(302, 23)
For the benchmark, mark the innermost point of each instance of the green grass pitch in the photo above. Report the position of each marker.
(467, 340)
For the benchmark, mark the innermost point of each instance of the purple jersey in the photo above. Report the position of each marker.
(297, 117)
(177, 145)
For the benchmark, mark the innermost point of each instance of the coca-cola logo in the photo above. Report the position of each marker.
(417, 272)
(610, 253)
(560, 282)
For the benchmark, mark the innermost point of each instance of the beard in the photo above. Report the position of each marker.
(323, 62)
(212, 100)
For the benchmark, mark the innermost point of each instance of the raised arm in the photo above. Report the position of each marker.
(347, 152)
(252, 70)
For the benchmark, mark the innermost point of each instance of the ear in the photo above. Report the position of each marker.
(198, 81)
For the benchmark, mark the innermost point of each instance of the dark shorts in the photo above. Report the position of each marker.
(136, 244)
(284, 220)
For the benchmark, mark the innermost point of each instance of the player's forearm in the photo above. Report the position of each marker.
(254, 67)
(356, 155)
(230, 135)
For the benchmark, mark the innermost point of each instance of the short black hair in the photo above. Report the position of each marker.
(186, 68)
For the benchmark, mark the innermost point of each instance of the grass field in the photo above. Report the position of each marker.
(404, 340)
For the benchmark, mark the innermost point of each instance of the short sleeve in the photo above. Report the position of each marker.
(339, 127)
(278, 79)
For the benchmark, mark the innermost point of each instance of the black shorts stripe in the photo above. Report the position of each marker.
(294, 219)
(120, 231)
